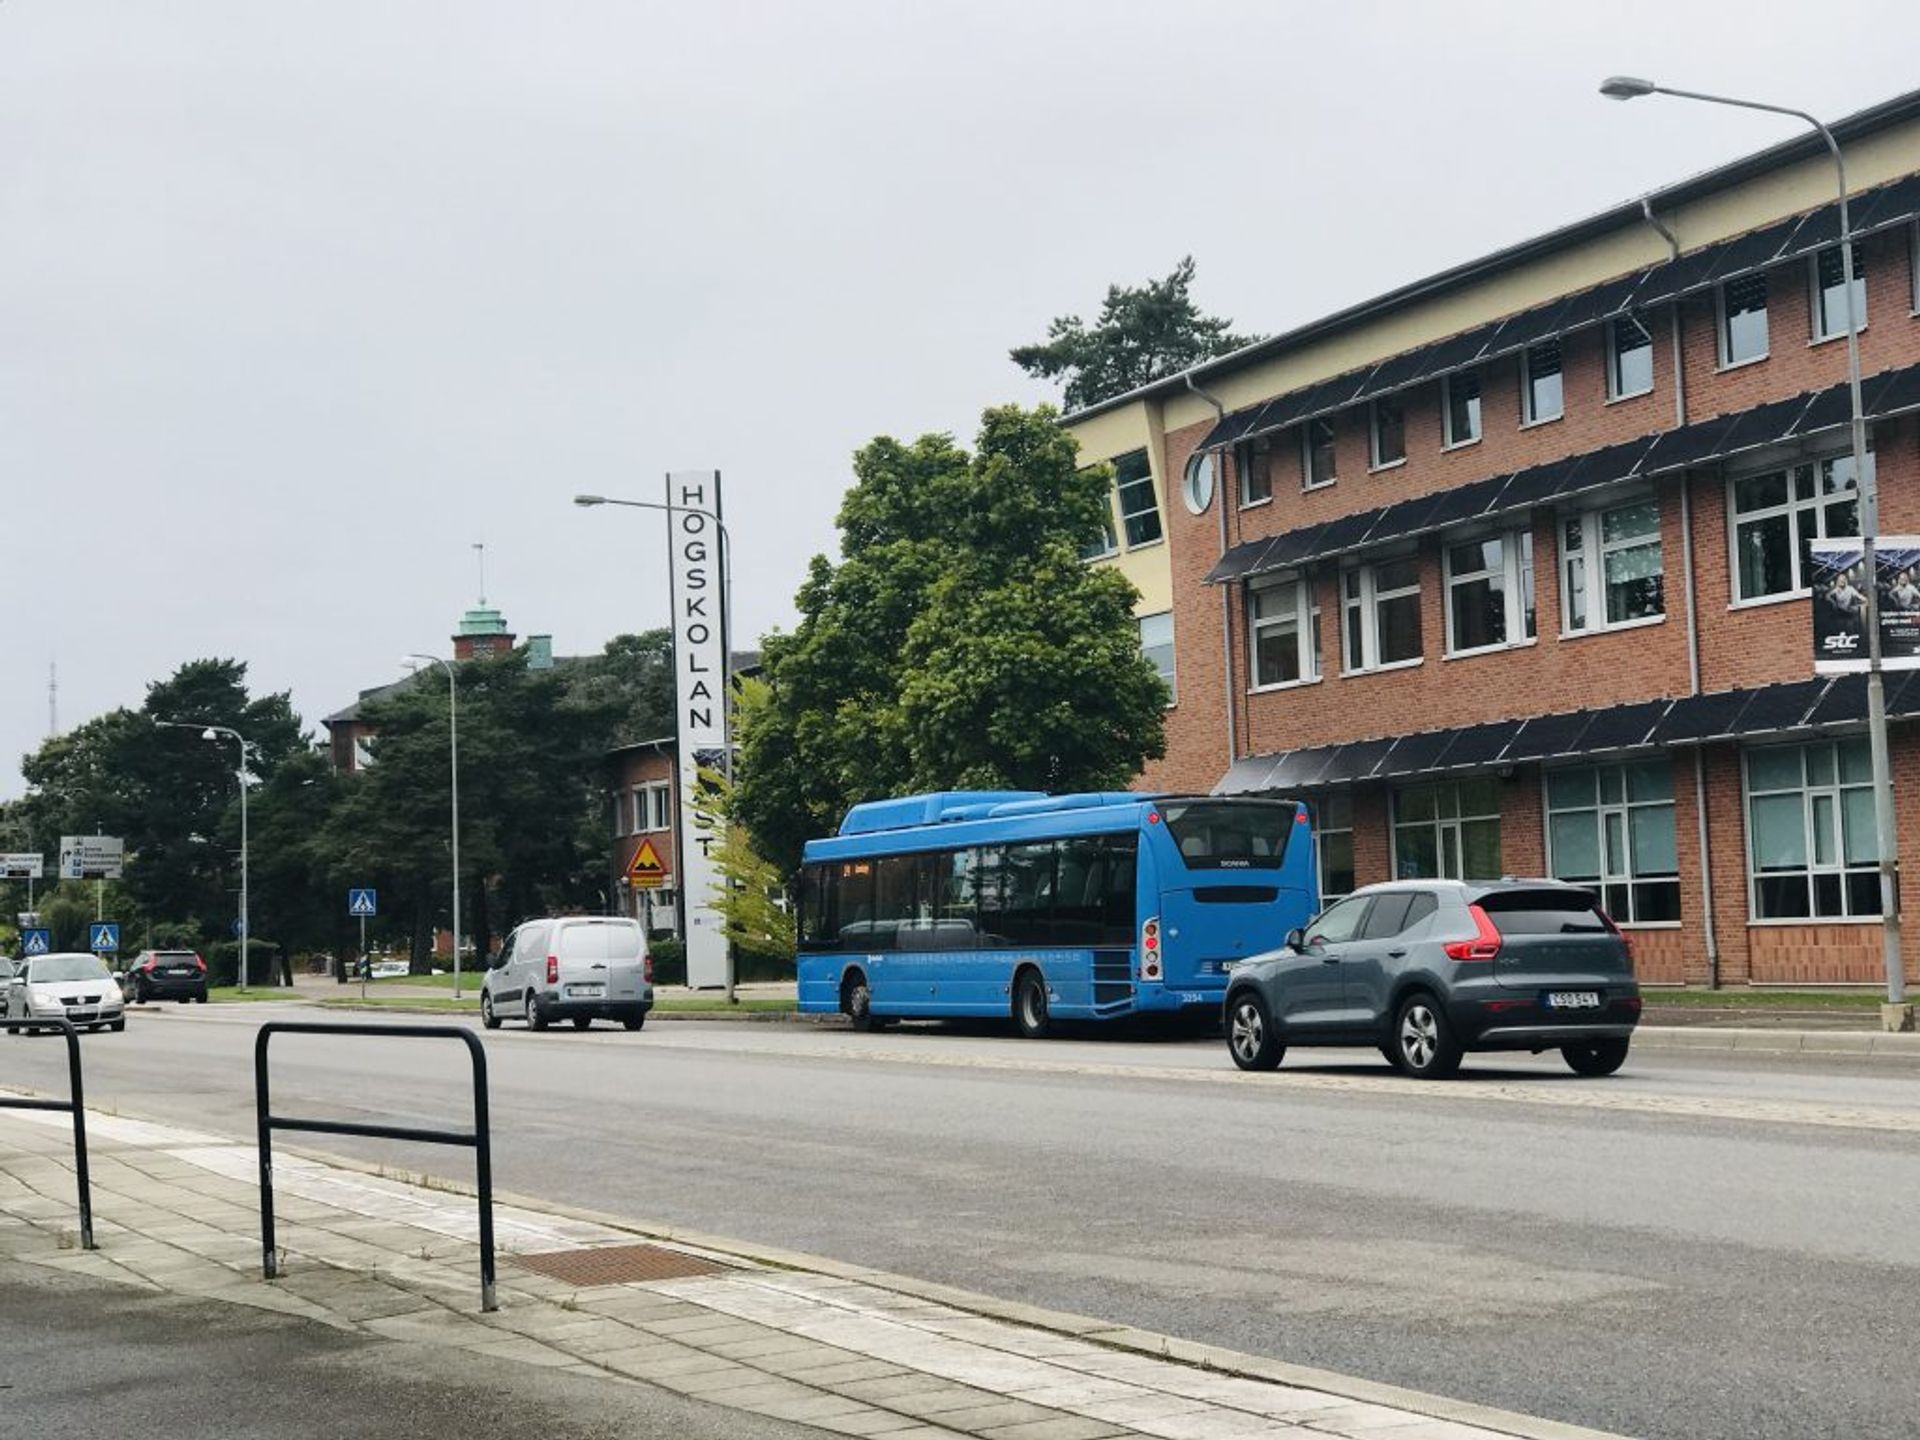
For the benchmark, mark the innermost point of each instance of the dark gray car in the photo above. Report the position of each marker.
(1429, 969)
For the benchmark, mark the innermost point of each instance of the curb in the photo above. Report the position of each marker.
(1822, 1043)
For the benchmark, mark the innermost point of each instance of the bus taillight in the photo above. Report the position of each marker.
(1150, 949)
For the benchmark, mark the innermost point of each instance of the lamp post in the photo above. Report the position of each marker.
(453, 754)
(1628, 87)
(726, 642)
(214, 732)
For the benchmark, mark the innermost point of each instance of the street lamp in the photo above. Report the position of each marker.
(726, 644)
(1629, 87)
(213, 733)
(453, 750)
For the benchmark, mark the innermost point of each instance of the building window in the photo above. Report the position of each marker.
(1198, 486)
(1139, 507)
(1103, 542)
(1380, 614)
(1460, 399)
(1283, 628)
(1447, 832)
(1333, 843)
(362, 750)
(1610, 827)
(1629, 357)
(1810, 831)
(1913, 265)
(1830, 292)
(1776, 518)
(1610, 567)
(1255, 464)
(1156, 643)
(1743, 320)
(1489, 591)
(1543, 397)
(1317, 454)
(1388, 425)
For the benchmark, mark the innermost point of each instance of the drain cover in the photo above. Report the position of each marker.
(618, 1265)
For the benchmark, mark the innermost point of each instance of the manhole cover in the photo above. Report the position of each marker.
(618, 1265)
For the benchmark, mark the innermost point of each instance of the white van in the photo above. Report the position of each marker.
(580, 968)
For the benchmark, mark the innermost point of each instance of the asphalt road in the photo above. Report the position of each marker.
(1698, 1247)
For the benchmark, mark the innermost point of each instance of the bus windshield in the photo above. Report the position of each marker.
(1230, 834)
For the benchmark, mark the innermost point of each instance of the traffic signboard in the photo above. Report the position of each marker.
(363, 904)
(103, 938)
(36, 942)
(30, 865)
(91, 857)
(646, 872)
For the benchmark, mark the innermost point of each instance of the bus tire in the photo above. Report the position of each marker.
(1030, 1014)
(856, 1001)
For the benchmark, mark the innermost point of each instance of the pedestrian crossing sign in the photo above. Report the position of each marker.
(104, 938)
(36, 942)
(646, 872)
(362, 904)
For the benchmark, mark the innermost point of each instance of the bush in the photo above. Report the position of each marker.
(670, 964)
(223, 963)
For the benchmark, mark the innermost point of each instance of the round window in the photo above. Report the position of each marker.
(1199, 486)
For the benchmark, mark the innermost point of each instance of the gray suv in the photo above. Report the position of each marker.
(1429, 969)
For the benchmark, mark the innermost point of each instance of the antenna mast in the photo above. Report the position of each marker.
(480, 549)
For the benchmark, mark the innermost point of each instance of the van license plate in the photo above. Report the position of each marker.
(1572, 1000)
(586, 992)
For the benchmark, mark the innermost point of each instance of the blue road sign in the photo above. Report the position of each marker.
(362, 904)
(36, 942)
(103, 938)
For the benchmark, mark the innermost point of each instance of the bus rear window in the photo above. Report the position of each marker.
(1230, 834)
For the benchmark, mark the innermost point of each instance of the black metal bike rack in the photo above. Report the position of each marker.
(75, 1105)
(478, 1139)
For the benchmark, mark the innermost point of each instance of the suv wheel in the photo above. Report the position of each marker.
(1596, 1058)
(1423, 1043)
(1250, 1036)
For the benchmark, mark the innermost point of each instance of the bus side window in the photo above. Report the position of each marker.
(895, 899)
(956, 899)
(820, 908)
(1027, 888)
(1119, 890)
(1076, 914)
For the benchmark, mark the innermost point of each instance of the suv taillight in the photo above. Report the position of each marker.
(201, 963)
(553, 969)
(1484, 946)
(1150, 957)
(1625, 939)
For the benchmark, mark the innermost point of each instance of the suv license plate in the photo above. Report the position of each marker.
(1573, 1000)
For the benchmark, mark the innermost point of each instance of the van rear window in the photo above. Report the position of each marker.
(1544, 912)
(1230, 834)
(602, 940)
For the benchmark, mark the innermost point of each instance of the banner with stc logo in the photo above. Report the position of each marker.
(1838, 577)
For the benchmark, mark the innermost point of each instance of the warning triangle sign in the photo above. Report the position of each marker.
(646, 871)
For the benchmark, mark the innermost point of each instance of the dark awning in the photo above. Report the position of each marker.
(1796, 706)
(1792, 239)
(1885, 395)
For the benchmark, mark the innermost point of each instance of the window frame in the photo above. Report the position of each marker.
(1251, 456)
(1793, 508)
(1171, 673)
(1615, 387)
(1816, 293)
(1528, 399)
(1306, 623)
(1592, 555)
(1443, 826)
(1367, 602)
(1308, 449)
(1152, 508)
(1332, 815)
(1516, 572)
(1107, 543)
(1628, 880)
(1722, 316)
(1374, 463)
(1834, 792)
(1478, 399)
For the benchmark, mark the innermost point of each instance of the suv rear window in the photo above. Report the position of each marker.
(1231, 834)
(1544, 912)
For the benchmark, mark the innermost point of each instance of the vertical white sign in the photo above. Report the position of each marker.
(700, 694)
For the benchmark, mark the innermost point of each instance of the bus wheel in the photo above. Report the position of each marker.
(1030, 1005)
(856, 1002)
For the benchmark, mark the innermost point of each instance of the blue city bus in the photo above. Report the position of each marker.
(1043, 907)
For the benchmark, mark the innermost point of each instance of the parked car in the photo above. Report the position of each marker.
(7, 967)
(580, 968)
(165, 975)
(1429, 969)
(72, 984)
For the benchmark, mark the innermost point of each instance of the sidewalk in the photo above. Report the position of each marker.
(836, 1347)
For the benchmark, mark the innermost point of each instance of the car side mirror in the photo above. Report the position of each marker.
(1296, 939)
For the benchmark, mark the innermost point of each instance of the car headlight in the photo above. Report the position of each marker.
(115, 991)
(43, 997)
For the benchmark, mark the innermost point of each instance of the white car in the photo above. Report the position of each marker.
(76, 986)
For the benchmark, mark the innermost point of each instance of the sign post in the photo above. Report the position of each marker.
(363, 904)
(28, 866)
(697, 565)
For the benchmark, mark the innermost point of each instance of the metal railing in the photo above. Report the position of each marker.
(75, 1104)
(478, 1139)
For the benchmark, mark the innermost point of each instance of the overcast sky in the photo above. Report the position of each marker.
(300, 300)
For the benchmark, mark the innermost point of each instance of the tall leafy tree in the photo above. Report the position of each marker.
(1144, 332)
(958, 643)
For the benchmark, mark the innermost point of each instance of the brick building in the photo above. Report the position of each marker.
(1504, 571)
(645, 806)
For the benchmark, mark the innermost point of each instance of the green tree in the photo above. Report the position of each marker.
(1144, 332)
(751, 886)
(628, 686)
(959, 642)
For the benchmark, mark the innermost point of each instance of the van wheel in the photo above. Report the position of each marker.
(634, 1022)
(856, 1001)
(581, 1022)
(487, 1017)
(1600, 1057)
(1030, 1014)
(535, 1020)
(1250, 1035)
(1423, 1043)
